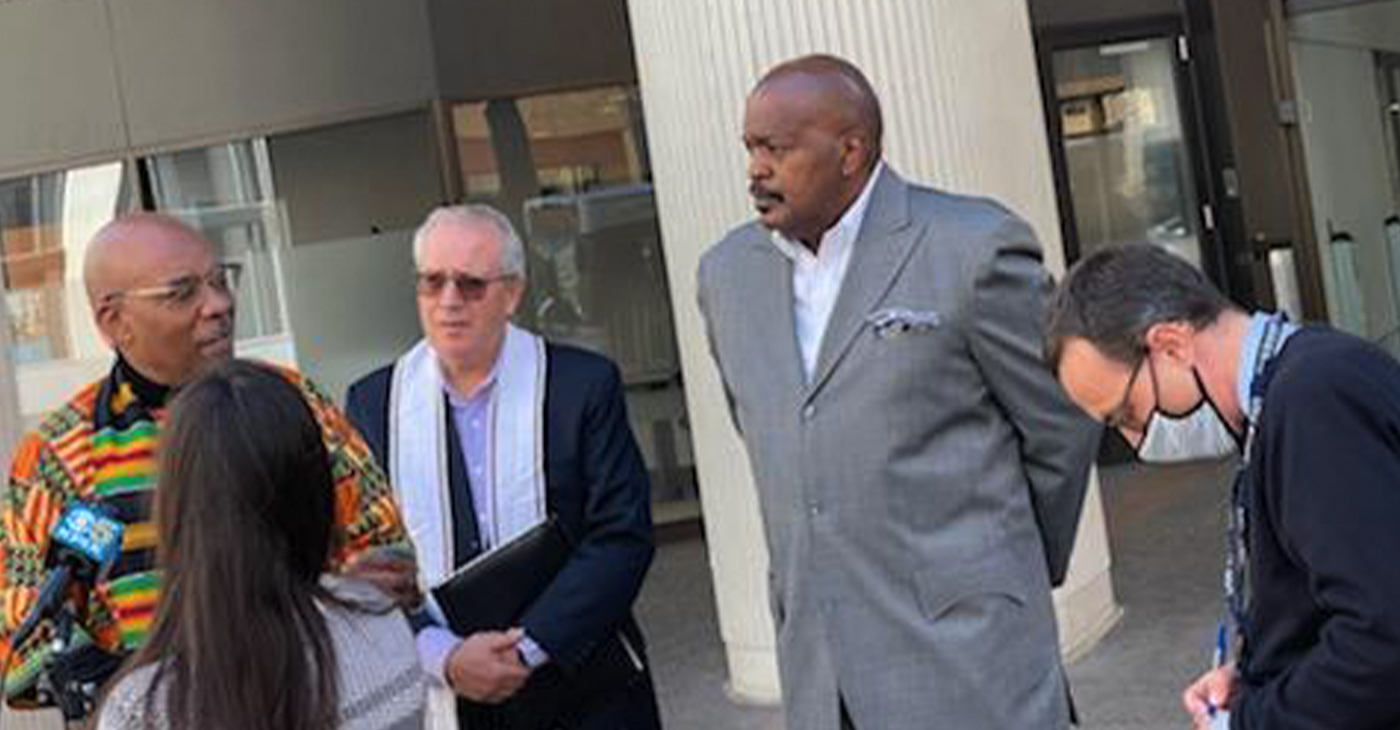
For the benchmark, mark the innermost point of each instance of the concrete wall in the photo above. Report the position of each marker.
(58, 84)
(85, 79)
(195, 69)
(90, 80)
(343, 181)
(495, 49)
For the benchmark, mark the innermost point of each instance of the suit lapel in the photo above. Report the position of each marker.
(773, 324)
(883, 246)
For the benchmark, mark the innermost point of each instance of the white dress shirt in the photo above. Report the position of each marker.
(817, 277)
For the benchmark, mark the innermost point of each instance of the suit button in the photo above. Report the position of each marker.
(815, 509)
(809, 412)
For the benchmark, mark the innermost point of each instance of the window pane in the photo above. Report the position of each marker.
(225, 192)
(45, 223)
(1343, 63)
(584, 140)
(1129, 167)
(571, 170)
(476, 159)
(353, 194)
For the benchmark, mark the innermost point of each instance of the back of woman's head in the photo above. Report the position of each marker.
(245, 508)
(245, 482)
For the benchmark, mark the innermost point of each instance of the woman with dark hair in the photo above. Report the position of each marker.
(251, 632)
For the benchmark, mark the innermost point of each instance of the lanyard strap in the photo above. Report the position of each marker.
(1237, 529)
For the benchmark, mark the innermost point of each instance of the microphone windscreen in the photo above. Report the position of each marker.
(90, 534)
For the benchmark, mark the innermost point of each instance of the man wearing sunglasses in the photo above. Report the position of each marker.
(485, 429)
(1144, 343)
(164, 302)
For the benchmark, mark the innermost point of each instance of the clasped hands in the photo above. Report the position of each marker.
(487, 666)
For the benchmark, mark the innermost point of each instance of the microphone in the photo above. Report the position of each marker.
(85, 543)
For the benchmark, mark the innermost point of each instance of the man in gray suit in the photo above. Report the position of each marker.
(920, 471)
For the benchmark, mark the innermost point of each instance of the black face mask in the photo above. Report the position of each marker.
(1201, 433)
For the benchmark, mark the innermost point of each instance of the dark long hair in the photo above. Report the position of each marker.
(1111, 297)
(245, 508)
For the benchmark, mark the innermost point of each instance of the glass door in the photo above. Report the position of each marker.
(1344, 82)
(45, 223)
(1388, 76)
(1388, 70)
(1126, 166)
(1124, 148)
(572, 170)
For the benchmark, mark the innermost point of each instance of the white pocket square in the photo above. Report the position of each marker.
(897, 321)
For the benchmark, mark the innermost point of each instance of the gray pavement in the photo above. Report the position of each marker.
(1166, 532)
(1166, 528)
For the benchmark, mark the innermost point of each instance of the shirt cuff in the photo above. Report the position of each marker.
(435, 645)
(533, 654)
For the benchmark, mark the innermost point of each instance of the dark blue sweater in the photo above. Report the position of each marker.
(1322, 643)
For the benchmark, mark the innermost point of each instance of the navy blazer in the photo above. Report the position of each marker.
(595, 481)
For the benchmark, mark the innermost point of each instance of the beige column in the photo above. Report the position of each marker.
(963, 112)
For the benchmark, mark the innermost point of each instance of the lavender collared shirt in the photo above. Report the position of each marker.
(472, 417)
(471, 414)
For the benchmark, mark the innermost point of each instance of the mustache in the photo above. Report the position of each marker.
(222, 330)
(760, 193)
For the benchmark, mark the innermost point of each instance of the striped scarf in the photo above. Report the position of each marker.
(126, 426)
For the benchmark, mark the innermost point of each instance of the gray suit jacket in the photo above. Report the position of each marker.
(921, 493)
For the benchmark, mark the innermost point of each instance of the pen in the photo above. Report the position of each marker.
(1218, 660)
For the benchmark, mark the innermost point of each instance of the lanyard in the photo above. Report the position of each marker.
(1237, 530)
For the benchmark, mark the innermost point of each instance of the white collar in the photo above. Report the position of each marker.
(461, 399)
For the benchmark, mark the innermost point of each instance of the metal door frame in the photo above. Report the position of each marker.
(1194, 132)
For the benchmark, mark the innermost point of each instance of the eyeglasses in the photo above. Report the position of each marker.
(184, 291)
(471, 288)
(1118, 417)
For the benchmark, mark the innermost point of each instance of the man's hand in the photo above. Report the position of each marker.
(486, 666)
(390, 568)
(1212, 692)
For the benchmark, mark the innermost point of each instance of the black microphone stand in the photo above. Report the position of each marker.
(59, 680)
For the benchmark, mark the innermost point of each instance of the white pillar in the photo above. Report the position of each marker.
(962, 106)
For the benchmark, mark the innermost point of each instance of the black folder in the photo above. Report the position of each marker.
(493, 590)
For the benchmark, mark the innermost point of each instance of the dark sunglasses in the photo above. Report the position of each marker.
(470, 287)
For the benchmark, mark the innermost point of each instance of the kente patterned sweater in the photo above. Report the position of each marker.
(101, 447)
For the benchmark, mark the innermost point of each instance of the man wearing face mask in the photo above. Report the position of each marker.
(1145, 344)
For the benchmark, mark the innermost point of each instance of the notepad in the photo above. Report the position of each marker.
(492, 591)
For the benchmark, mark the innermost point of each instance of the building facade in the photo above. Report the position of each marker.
(1257, 138)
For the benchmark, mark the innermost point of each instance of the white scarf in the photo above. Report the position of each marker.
(418, 464)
